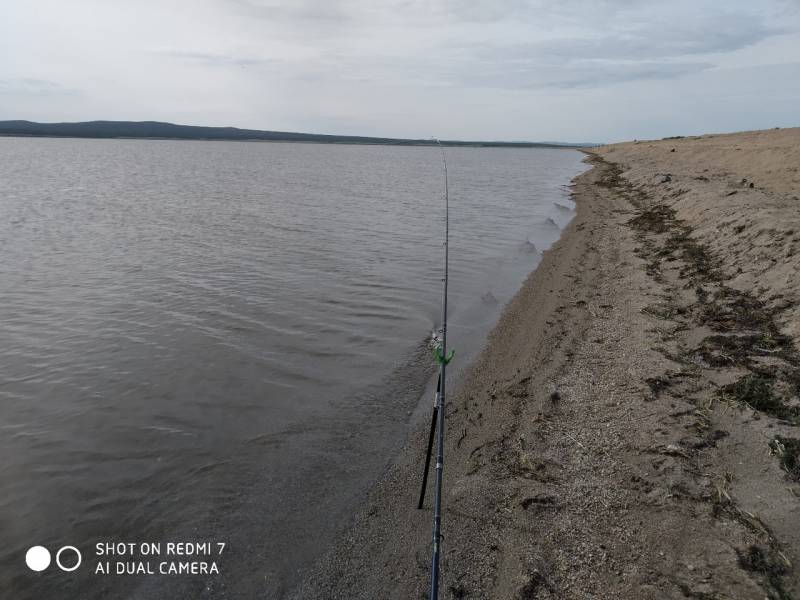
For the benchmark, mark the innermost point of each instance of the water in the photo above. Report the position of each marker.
(221, 341)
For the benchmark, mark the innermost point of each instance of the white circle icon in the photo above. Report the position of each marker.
(37, 558)
(58, 558)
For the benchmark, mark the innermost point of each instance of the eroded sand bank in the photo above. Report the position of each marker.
(628, 431)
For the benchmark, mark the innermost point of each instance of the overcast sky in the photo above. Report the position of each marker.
(568, 70)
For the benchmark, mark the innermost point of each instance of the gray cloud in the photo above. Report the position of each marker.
(330, 11)
(579, 74)
(643, 51)
(32, 86)
(216, 60)
(647, 41)
(640, 40)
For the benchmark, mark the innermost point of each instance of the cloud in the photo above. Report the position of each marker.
(32, 86)
(215, 60)
(579, 74)
(331, 11)
(658, 47)
(503, 44)
(647, 41)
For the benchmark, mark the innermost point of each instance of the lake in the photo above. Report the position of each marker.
(226, 342)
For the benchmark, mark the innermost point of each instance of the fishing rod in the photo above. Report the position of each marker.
(437, 418)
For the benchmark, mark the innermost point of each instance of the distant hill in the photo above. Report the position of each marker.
(157, 130)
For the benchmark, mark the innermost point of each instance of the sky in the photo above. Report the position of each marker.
(536, 70)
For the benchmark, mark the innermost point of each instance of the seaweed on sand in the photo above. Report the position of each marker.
(765, 563)
(732, 309)
(739, 350)
(757, 391)
(658, 219)
(788, 452)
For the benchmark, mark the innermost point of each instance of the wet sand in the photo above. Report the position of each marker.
(631, 429)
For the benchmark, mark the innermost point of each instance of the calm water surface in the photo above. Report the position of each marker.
(219, 341)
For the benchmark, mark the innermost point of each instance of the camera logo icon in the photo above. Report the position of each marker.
(38, 558)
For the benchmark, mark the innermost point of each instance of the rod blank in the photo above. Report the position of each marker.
(431, 436)
(440, 405)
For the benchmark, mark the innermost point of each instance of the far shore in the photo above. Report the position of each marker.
(339, 143)
(632, 429)
(154, 130)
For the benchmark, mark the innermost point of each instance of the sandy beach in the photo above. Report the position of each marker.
(631, 428)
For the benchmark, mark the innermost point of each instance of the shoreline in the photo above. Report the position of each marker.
(604, 444)
(399, 485)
